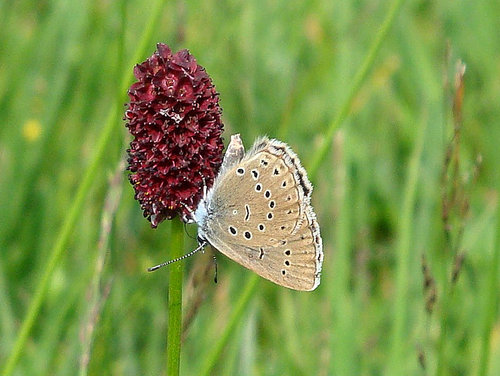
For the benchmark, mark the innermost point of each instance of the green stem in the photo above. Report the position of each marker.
(75, 211)
(358, 81)
(175, 300)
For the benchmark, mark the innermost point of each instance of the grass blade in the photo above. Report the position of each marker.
(358, 81)
(75, 211)
(238, 312)
(402, 283)
(492, 298)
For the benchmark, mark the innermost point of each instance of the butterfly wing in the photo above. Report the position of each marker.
(234, 153)
(260, 216)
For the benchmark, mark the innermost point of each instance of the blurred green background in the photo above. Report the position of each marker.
(284, 69)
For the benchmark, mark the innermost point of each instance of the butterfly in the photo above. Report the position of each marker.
(258, 213)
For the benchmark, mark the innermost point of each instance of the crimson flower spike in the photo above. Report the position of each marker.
(175, 120)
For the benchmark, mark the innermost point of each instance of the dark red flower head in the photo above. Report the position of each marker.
(174, 116)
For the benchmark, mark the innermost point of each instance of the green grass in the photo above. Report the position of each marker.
(375, 144)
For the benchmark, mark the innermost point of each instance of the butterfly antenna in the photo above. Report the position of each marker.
(199, 248)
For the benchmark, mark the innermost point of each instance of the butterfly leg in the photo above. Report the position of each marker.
(191, 218)
(215, 265)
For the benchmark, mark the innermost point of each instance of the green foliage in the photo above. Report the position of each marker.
(284, 69)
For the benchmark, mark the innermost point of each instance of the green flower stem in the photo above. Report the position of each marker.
(175, 300)
(75, 211)
(358, 81)
(360, 77)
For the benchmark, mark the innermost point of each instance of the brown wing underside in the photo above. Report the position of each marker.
(264, 220)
